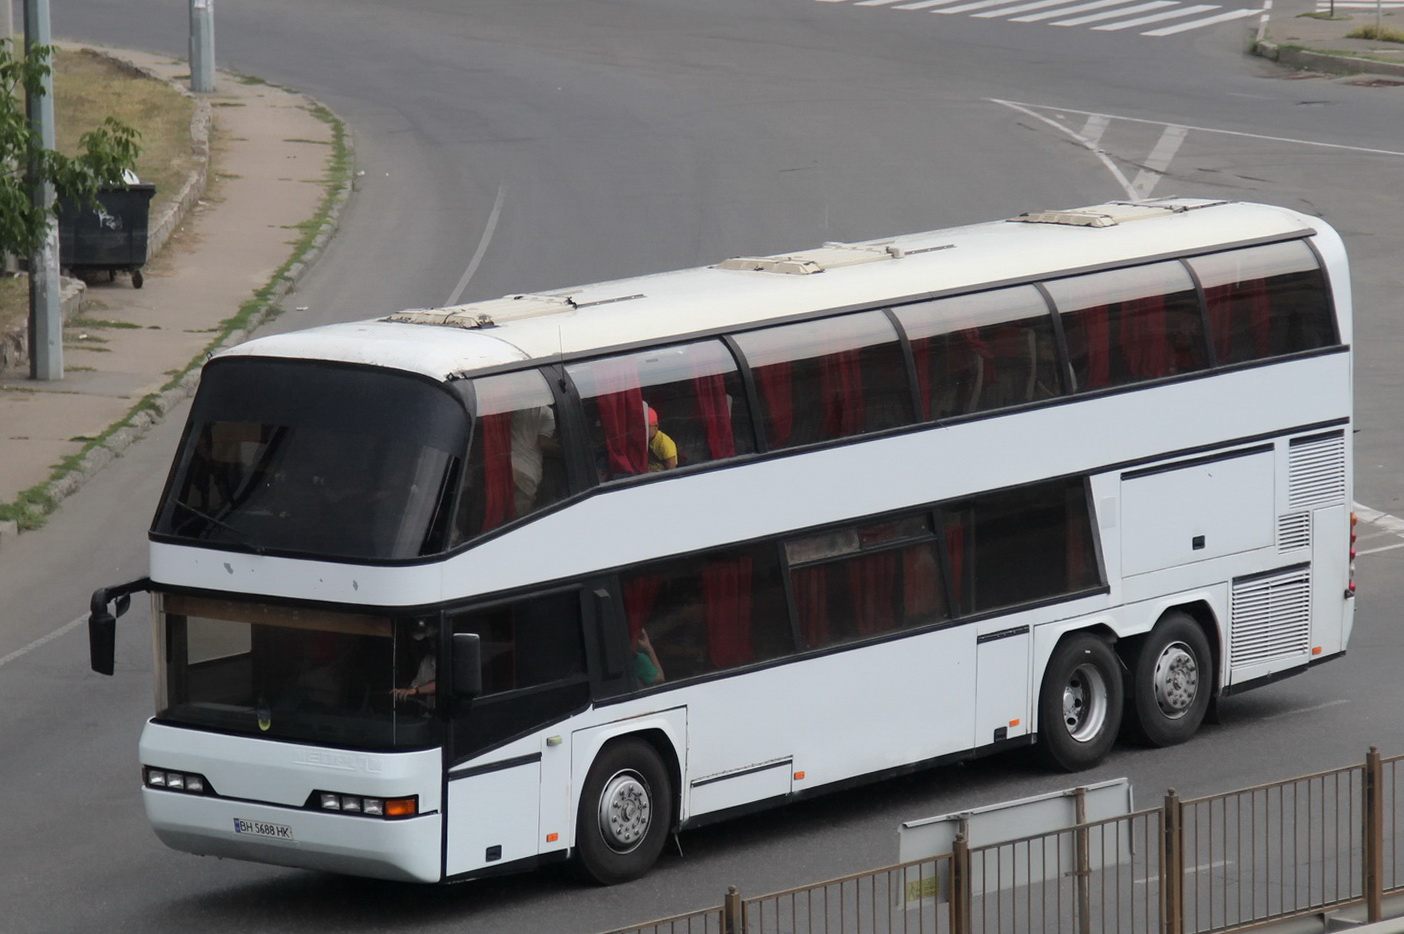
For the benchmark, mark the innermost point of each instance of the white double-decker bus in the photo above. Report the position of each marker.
(464, 590)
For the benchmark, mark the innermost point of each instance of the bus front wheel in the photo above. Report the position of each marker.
(1172, 681)
(1079, 704)
(626, 809)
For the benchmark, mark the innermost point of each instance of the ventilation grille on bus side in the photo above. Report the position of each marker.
(1293, 531)
(1316, 473)
(1270, 618)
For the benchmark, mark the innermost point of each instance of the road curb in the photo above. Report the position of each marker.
(1299, 57)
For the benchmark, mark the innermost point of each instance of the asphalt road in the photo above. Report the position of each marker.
(513, 145)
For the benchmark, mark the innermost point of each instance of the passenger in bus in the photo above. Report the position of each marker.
(425, 681)
(533, 437)
(662, 452)
(646, 665)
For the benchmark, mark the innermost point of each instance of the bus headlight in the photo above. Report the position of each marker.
(170, 780)
(368, 807)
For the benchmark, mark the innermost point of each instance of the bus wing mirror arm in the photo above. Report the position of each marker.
(467, 664)
(102, 622)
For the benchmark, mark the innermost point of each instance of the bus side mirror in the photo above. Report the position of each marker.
(103, 627)
(467, 664)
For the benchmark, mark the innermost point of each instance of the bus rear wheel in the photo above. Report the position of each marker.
(626, 810)
(1079, 703)
(1172, 681)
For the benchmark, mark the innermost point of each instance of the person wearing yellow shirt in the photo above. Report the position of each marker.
(662, 452)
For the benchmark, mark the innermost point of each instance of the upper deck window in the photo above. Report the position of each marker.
(827, 379)
(515, 465)
(1265, 301)
(663, 408)
(310, 458)
(1129, 325)
(982, 351)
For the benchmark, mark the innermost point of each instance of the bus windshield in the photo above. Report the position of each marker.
(343, 679)
(312, 458)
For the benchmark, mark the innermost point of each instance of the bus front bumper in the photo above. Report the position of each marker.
(406, 850)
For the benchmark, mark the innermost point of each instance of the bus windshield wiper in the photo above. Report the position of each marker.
(255, 548)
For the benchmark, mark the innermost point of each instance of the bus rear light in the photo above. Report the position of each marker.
(188, 782)
(370, 807)
(1350, 580)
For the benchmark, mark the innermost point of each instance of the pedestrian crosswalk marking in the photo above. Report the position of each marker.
(1108, 15)
(1156, 17)
(1112, 14)
(1022, 8)
(1207, 21)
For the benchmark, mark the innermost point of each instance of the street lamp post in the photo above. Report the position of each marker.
(45, 310)
(202, 54)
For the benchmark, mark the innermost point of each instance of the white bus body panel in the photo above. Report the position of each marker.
(270, 781)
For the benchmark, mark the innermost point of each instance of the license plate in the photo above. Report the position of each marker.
(263, 829)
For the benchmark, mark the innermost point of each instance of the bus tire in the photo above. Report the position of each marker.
(1079, 703)
(1172, 680)
(626, 811)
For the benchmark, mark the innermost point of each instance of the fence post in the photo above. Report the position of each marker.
(1374, 834)
(960, 886)
(1084, 867)
(1172, 865)
(733, 917)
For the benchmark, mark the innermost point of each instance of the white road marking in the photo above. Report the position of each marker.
(1022, 106)
(978, 5)
(482, 248)
(1093, 129)
(1094, 5)
(1207, 21)
(1157, 17)
(1097, 17)
(1169, 144)
(42, 640)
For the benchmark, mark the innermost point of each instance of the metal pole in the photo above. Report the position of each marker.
(733, 916)
(1172, 865)
(960, 884)
(45, 310)
(1084, 863)
(202, 54)
(1374, 835)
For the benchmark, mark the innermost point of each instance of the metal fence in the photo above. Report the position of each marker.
(1208, 865)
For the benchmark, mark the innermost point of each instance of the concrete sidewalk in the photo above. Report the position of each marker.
(130, 354)
(1305, 34)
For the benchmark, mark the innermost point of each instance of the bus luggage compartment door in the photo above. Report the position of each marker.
(493, 814)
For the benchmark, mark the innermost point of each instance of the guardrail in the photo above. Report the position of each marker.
(1210, 865)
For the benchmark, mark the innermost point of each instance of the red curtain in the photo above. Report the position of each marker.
(775, 391)
(1230, 304)
(812, 605)
(872, 582)
(921, 356)
(726, 591)
(714, 410)
(841, 385)
(621, 411)
(1096, 335)
(1144, 343)
(639, 595)
(499, 498)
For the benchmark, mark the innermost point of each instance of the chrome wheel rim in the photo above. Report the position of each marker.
(1176, 680)
(1085, 703)
(625, 812)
